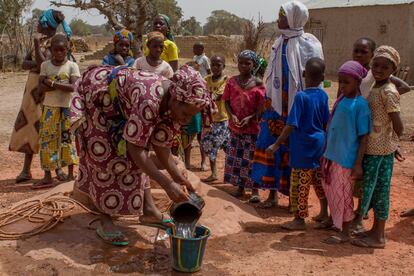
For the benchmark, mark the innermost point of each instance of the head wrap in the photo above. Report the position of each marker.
(154, 35)
(188, 86)
(300, 48)
(48, 20)
(169, 35)
(123, 34)
(249, 54)
(389, 53)
(353, 69)
(297, 15)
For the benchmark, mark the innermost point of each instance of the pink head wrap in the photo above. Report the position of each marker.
(353, 69)
(188, 86)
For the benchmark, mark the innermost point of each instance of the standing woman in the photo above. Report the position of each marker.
(283, 79)
(25, 135)
(118, 114)
(162, 24)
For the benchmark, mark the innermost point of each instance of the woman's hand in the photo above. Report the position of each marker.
(271, 149)
(245, 121)
(176, 193)
(235, 120)
(187, 184)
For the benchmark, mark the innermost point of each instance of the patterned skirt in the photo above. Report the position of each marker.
(271, 173)
(215, 139)
(25, 135)
(239, 156)
(56, 148)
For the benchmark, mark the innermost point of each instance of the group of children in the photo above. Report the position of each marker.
(354, 143)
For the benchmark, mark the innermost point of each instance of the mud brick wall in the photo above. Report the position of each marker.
(214, 45)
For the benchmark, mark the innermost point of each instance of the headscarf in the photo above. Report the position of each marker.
(249, 54)
(389, 53)
(188, 86)
(154, 35)
(169, 35)
(123, 34)
(48, 20)
(300, 48)
(353, 69)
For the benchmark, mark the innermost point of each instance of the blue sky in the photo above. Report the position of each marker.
(201, 9)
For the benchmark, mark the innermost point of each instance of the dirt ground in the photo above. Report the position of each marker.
(260, 249)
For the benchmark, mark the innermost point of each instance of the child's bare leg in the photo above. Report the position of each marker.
(323, 213)
(203, 155)
(71, 175)
(213, 176)
(187, 157)
(271, 201)
(25, 174)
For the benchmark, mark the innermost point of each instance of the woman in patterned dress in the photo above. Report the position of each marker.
(25, 135)
(118, 114)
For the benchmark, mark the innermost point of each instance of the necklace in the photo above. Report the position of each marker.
(245, 83)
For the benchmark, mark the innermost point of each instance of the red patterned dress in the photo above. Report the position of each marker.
(128, 107)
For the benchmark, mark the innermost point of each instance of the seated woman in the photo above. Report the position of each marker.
(118, 114)
(121, 54)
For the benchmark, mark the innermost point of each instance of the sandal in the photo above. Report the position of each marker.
(210, 179)
(116, 238)
(254, 199)
(23, 177)
(268, 204)
(42, 185)
(335, 240)
(326, 224)
(164, 224)
(366, 243)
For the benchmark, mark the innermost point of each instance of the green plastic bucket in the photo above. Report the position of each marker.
(187, 254)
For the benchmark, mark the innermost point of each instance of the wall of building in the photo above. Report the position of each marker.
(214, 45)
(339, 28)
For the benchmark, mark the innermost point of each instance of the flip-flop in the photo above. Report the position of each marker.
(107, 236)
(364, 244)
(323, 225)
(36, 186)
(334, 240)
(254, 199)
(267, 204)
(23, 177)
(163, 225)
(209, 179)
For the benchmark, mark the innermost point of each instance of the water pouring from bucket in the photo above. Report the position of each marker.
(188, 241)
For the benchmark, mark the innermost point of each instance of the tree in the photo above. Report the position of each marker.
(224, 23)
(12, 26)
(80, 27)
(191, 27)
(129, 14)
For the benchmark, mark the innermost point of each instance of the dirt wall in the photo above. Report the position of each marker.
(339, 28)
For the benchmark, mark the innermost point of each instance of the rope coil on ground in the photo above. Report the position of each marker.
(47, 212)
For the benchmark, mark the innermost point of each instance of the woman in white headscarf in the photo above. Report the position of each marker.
(284, 78)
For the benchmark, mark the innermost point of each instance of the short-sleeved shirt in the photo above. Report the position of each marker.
(309, 115)
(164, 69)
(170, 52)
(109, 59)
(203, 63)
(216, 88)
(244, 103)
(350, 121)
(59, 74)
(383, 100)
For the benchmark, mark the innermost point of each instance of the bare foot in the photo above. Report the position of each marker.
(408, 213)
(203, 167)
(23, 177)
(46, 182)
(211, 178)
(60, 175)
(295, 225)
(239, 193)
(110, 233)
(321, 217)
(325, 224)
(369, 242)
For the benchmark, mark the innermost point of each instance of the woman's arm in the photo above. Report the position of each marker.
(174, 65)
(287, 130)
(28, 63)
(167, 161)
(39, 56)
(142, 158)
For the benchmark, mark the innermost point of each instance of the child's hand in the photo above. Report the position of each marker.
(235, 120)
(357, 172)
(119, 59)
(271, 149)
(48, 83)
(398, 155)
(245, 121)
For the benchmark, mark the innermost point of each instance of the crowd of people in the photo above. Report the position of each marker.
(130, 116)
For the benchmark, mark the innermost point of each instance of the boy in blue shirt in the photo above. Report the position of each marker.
(305, 128)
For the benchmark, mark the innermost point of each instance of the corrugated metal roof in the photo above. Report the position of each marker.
(323, 4)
